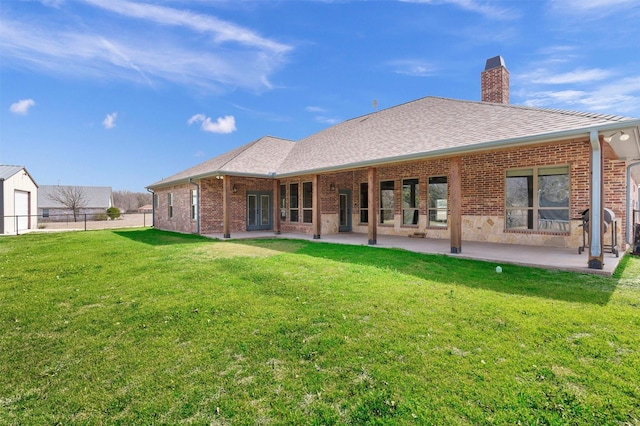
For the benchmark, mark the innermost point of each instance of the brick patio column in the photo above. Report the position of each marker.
(226, 206)
(455, 198)
(276, 206)
(317, 225)
(373, 205)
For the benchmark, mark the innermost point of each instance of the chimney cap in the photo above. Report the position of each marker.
(495, 62)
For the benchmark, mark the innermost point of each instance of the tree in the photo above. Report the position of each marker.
(129, 201)
(72, 197)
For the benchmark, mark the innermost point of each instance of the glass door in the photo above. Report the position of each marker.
(259, 211)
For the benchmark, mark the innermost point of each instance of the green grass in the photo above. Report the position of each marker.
(148, 327)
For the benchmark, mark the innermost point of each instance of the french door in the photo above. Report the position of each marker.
(259, 210)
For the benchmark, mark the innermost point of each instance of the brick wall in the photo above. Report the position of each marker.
(483, 199)
(494, 85)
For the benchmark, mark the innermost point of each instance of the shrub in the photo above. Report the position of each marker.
(113, 212)
(100, 216)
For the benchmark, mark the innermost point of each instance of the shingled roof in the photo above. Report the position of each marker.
(421, 129)
(431, 127)
(258, 158)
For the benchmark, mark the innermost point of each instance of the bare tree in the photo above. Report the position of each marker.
(72, 197)
(129, 201)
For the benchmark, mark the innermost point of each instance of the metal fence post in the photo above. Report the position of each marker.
(85, 221)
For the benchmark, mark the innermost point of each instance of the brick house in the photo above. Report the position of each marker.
(450, 169)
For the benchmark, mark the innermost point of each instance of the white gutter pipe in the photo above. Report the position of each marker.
(595, 212)
(629, 210)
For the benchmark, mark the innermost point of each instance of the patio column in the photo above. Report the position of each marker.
(372, 179)
(596, 205)
(317, 225)
(226, 207)
(455, 198)
(276, 206)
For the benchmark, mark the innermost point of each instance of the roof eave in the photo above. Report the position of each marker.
(207, 175)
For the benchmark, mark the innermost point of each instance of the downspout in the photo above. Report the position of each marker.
(153, 207)
(197, 205)
(628, 230)
(595, 212)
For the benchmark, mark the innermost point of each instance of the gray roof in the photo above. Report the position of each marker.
(258, 158)
(7, 171)
(430, 127)
(97, 197)
(421, 129)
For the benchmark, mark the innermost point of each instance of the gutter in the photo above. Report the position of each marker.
(628, 239)
(153, 207)
(197, 205)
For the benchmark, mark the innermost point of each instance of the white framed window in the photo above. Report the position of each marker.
(194, 204)
(170, 204)
(537, 199)
(307, 202)
(293, 202)
(437, 201)
(364, 202)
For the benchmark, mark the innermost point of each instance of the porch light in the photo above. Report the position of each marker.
(332, 186)
(623, 136)
(234, 188)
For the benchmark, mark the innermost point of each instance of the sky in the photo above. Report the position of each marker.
(124, 93)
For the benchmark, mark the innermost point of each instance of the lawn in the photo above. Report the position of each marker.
(149, 327)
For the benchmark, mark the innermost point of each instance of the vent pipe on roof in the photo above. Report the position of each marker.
(494, 81)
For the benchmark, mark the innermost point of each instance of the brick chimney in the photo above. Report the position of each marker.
(495, 81)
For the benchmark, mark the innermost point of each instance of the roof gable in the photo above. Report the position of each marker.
(258, 158)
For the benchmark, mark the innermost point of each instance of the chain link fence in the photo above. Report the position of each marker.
(67, 222)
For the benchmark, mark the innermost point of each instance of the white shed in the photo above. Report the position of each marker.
(18, 200)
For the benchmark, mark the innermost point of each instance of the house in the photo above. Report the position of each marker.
(147, 208)
(18, 200)
(451, 169)
(67, 202)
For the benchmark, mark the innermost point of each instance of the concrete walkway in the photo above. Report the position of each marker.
(501, 254)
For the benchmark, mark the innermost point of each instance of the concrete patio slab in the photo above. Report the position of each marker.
(564, 259)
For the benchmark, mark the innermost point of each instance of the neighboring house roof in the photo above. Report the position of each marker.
(97, 197)
(424, 128)
(7, 171)
(258, 158)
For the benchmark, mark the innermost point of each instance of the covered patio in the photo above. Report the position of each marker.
(565, 259)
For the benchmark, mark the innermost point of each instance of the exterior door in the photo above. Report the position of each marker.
(344, 211)
(22, 210)
(259, 211)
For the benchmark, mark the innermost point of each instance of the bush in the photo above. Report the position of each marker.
(113, 212)
(100, 216)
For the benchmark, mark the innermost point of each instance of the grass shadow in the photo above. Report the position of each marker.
(155, 237)
(514, 279)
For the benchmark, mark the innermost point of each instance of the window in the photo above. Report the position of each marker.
(437, 201)
(156, 199)
(283, 202)
(538, 199)
(45, 212)
(293, 202)
(386, 202)
(194, 204)
(364, 202)
(170, 205)
(410, 201)
(307, 202)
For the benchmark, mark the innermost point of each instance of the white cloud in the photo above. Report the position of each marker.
(22, 106)
(109, 121)
(547, 76)
(481, 7)
(412, 67)
(315, 109)
(223, 125)
(198, 51)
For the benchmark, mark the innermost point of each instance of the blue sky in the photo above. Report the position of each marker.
(124, 93)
